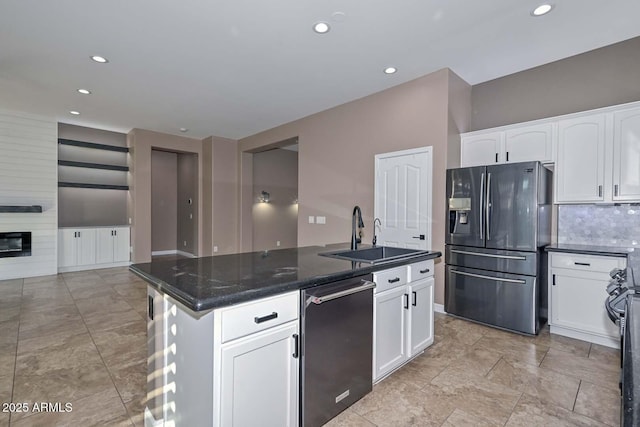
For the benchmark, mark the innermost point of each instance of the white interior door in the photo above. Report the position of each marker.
(403, 198)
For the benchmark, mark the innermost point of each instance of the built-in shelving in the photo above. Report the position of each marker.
(21, 209)
(75, 163)
(93, 145)
(92, 165)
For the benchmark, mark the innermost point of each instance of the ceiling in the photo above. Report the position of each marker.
(233, 68)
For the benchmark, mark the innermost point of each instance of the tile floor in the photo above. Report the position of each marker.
(80, 338)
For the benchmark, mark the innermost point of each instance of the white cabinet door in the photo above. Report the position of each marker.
(626, 155)
(389, 335)
(421, 323)
(481, 150)
(529, 143)
(67, 248)
(259, 379)
(403, 182)
(86, 246)
(104, 246)
(577, 302)
(121, 241)
(581, 161)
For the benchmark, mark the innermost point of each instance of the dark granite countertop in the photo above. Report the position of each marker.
(589, 249)
(210, 282)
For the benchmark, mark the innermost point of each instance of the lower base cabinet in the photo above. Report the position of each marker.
(577, 292)
(234, 366)
(403, 316)
(91, 248)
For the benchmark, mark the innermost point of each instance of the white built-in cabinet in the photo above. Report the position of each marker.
(510, 144)
(88, 248)
(626, 155)
(76, 247)
(403, 316)
(232, 366)
(577, 292)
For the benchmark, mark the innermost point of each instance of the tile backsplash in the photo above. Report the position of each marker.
(607, 225)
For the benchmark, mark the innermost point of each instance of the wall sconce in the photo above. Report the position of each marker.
(264, 196)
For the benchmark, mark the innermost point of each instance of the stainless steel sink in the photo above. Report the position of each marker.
(375, 255)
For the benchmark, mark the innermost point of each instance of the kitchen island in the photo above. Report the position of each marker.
(224, 332)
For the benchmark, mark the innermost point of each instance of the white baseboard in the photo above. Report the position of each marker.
(169, 252)
(585, 336)
(438, 308)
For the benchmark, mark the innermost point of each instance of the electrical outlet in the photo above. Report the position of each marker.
(277, 242)
(185, 243)
(215, 249)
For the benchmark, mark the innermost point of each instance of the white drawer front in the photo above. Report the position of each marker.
(420, 270)
(587, 262)
(254, 316)
(388, 279)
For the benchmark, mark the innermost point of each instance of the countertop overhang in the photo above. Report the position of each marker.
(216, 281)
(590, 249)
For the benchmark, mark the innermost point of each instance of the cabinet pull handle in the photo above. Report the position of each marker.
(496, 157)
(296, 342)
(599, 190)
(426, 270)
(265, 318)
(615, 190)
(415, 298)
(397, 279)
(586, 264)
(507, 156)
(79, 234)
(406, 301)
(150, 307)
(553, 279)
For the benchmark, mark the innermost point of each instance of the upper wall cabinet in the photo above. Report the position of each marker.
(599, 158)
(510, 144)
(626, 155)
(581, 159)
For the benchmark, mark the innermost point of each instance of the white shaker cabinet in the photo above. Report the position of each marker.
(76, 247)
(580, 165)
(403, 316)
(626, 155)
(577, 292)
(112, 245)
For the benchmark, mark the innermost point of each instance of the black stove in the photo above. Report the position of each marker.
(623, 308)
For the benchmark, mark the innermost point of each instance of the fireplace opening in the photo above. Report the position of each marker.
(15, 243)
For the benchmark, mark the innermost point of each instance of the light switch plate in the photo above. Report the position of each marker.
(312, 219)
(321, 220)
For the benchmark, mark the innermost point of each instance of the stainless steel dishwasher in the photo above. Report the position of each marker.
(337, 346)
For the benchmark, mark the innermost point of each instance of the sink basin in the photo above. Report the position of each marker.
(374, 255)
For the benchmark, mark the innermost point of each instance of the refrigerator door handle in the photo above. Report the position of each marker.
(514, 257)
(480, 207)
(495, 279)
(487, 207)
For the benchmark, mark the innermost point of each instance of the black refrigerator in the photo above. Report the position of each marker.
(498, 222)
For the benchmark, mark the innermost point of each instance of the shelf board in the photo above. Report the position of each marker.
(93, 165)
(96, 186)
(21, 209)
(93, 145)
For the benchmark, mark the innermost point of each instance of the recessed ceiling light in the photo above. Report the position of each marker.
(390, 70)
(542, 9)
(183, 129)
(84, 91)
(321, 27)
(100, 59)
(74, 112)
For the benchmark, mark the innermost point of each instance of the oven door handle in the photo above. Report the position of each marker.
(319, 300)
(495, 279)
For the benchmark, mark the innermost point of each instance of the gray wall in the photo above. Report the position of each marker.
(599, 78)
(91, 207)
(164, 199)
(275, 171)
(187, 212)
